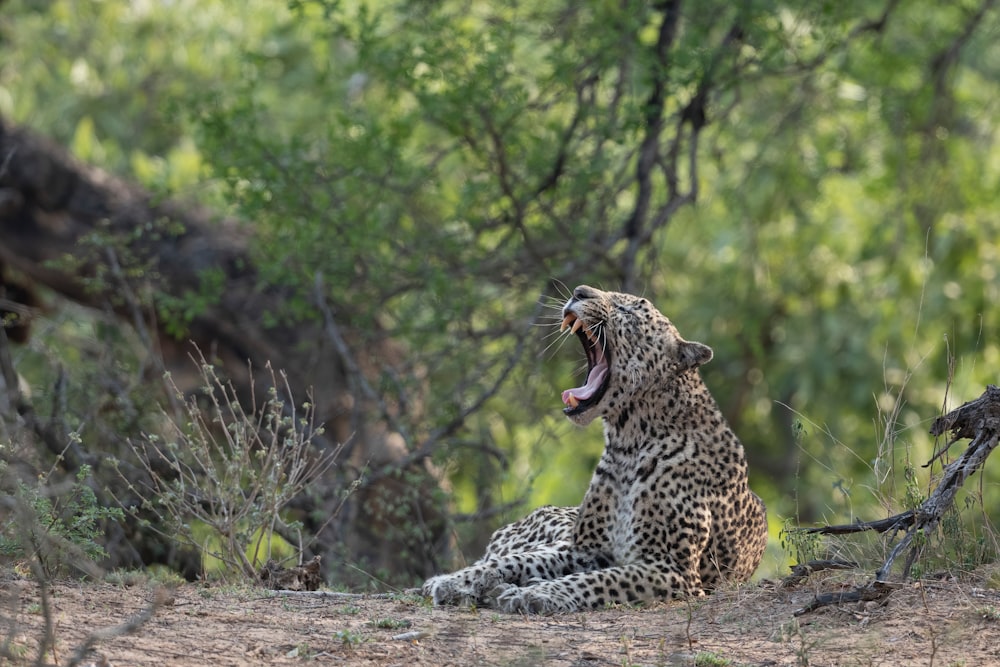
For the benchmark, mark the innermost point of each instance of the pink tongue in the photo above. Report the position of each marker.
(594, 381)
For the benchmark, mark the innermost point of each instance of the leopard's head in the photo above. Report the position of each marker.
(631, 348)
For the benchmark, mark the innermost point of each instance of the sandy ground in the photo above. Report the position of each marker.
(940, 622)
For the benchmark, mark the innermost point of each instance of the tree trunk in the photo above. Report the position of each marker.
(51, 207)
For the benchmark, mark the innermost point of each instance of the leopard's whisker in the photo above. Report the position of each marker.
(558, 342)
(562, 288)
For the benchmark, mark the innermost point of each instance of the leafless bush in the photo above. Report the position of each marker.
(222, 477)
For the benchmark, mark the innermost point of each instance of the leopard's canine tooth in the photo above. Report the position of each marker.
(576, 325)
(566, 322)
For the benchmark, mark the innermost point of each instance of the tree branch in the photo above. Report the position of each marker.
(649, 150)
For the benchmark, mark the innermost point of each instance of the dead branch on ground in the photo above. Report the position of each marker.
(978, 420)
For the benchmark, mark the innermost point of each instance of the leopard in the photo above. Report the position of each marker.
(669, 512)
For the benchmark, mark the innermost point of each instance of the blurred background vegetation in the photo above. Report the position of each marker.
(811, 188)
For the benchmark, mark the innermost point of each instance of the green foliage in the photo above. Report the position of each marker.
(390, 623)
(914, 496)
(56, 526)
(348, 638)
(428, 170)
(177, 312)
(709, 659)
(799, 545)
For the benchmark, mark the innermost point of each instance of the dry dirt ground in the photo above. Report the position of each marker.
(935, 622)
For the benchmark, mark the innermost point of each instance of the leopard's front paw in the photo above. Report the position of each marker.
(472, 586)
(534, 600)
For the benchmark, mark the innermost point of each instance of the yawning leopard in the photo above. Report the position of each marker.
(669, 511)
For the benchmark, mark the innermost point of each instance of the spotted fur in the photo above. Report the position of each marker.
(669, 512)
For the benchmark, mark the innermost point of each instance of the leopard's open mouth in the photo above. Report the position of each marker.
(580, 399)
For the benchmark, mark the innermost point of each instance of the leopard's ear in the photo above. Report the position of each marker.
(691, 354)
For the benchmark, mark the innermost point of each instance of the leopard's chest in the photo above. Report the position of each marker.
(649, 483)
(644, 501)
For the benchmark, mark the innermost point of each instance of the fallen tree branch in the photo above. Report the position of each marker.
(875, 591)
(892, 523)
(979, 420)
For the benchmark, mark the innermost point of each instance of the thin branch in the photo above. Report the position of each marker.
(356, 378)
(453, 425)
(48, 640)
(691, 119)
(122, 629)
(949, 56)
(876, 25)
(559, 164)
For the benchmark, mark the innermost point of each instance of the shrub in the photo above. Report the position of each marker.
(223, 477)
(53, 524)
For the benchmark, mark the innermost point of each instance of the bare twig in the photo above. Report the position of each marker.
(356, 379)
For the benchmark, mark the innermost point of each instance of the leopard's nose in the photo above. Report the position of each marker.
(583, 292)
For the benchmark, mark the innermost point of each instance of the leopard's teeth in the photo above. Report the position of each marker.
(572, 401)
(576, 325)
(566, 322)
